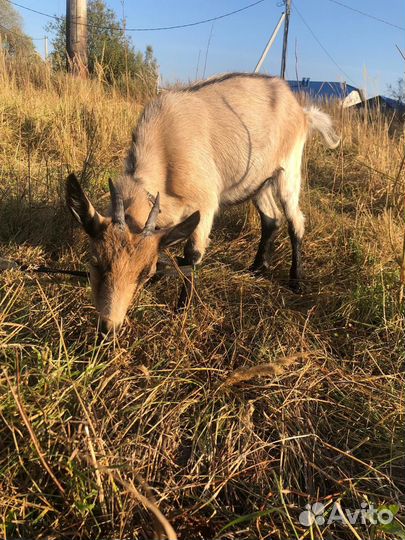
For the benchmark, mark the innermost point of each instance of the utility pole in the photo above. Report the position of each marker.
(285, 40)
(46, 47)
(76, 36)
(269, 43)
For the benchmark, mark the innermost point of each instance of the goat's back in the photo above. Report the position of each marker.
(234, 129)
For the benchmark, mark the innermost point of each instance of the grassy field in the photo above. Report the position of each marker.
(93, 439)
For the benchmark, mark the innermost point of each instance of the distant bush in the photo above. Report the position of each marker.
(12, 37)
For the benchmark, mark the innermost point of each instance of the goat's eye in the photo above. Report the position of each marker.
(95, 263)
(98, 267)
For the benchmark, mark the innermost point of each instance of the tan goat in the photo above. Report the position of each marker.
(220, 142)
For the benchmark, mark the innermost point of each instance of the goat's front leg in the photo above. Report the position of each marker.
(193, 253)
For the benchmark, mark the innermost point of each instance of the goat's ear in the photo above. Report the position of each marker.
(180, 232)
(82, 209)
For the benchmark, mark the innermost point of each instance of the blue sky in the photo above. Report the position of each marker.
(364, 49)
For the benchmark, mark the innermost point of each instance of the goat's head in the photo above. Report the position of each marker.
(121, 261)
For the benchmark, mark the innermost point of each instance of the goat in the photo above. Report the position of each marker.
(223, 141)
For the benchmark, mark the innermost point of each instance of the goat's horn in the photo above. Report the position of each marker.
(117, 204)
(151, 221)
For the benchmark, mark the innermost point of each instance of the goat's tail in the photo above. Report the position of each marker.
(322, 122)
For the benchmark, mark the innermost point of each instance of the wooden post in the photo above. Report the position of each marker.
(285, 41)
(76, 36)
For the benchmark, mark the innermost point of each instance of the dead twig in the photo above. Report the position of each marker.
(261, 370)
(160, 521)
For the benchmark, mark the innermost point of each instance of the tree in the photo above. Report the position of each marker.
(398, 91)
(12, 36)
(108, 46)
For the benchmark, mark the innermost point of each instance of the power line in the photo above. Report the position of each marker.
(212, 19)
(20, 35)
(367, 15)
(35, 11)
(322, 46)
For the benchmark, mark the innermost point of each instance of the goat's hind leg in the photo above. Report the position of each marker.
(270, 222)
(289, 189)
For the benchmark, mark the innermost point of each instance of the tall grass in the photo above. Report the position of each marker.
(233, 416)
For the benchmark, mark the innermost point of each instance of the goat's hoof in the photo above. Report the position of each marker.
(183, 303)
(295, 286)
(258, 269)
(180, 308)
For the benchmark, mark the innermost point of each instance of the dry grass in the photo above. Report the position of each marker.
(237, 413)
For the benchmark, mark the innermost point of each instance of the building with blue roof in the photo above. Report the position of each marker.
(347, 94)
(326, 90)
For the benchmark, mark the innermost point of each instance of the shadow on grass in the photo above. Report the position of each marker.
(36, 224)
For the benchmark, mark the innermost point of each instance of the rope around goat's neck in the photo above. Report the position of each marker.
(164, 269)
